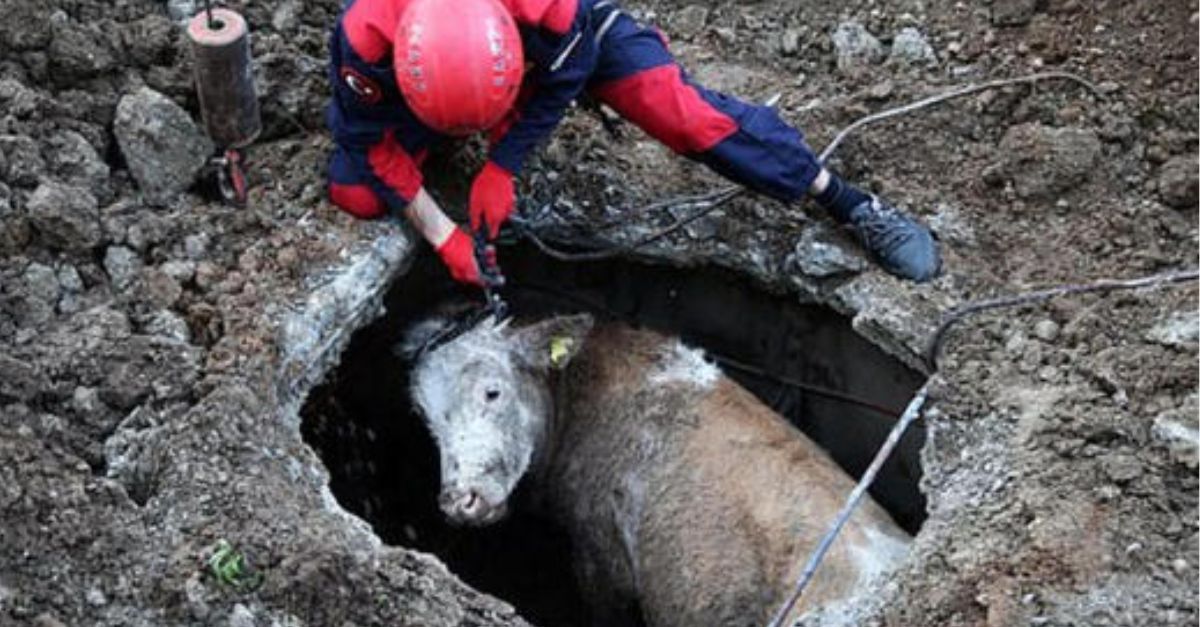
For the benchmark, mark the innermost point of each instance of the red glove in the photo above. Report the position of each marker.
(492, 198)
(458, 253)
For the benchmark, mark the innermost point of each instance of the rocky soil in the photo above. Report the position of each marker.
(155, 345)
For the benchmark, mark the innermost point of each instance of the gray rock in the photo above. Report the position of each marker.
(73, 160)
(20, 379)
(910, 47)
(122, 265)
(725, 35)
(164, 148)
(160, 288)
(241, 616)
(41, 282)
(149, 40)
(66, 217)
(166, 323)
(1046, 330)
(180, 270)
(284, 17)
(196, 246)
(1121, 468)
(69, 279)
(1013, 12)
(25, 164)
(1044, 162)
(86, 400)
(181, 10)
(46, 619)
(855, 47)
(78, 53)
(950, 225)
(1180, 329)
(1179, 182)
(789, 42)
(96, 598)
(1179, 433)
(18, 99)
(818, 254)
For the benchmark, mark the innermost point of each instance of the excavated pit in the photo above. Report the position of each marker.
(384, 467)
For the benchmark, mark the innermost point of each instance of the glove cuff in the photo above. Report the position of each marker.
(457, 242)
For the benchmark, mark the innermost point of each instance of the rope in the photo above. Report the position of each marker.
(1102, 285)
(711, 201)
(950, 95)
(212, 24)
(814, 560)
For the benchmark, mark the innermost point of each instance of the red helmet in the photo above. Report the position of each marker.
(458, 63)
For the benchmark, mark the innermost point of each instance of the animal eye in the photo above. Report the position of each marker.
(492, 394)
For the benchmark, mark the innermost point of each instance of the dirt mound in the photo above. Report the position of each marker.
(154, 348)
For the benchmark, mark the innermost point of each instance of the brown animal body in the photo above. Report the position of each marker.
(685, 497)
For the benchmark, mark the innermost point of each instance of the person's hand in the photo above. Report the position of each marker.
(492, 198)
(458, 253)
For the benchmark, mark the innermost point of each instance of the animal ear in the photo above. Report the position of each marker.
(553, 343)
(418, 336)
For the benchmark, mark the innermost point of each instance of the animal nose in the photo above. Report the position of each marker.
(461, 504)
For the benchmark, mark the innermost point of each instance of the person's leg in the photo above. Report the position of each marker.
(750, 144)
(352, 186)
(349, 190)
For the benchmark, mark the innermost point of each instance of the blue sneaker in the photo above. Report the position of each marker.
(897, 242)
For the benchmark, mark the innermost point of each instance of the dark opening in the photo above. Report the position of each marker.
(384, 467)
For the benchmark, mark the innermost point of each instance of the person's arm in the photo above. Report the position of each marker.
(563, 54)
(452, 243)
(555, 89)
(428, 219)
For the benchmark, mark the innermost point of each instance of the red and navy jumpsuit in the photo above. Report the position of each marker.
(572, 45)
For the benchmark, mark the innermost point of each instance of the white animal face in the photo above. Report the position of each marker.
(485, 399)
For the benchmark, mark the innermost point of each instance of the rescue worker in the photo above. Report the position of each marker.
(408, 73)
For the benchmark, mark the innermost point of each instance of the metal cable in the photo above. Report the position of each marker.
(885, 451)
(1102, 285)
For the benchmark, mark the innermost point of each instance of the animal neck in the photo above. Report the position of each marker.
(554, 403)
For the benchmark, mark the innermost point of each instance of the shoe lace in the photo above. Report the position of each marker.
(883, 229)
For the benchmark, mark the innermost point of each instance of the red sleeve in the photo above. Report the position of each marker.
(553, 15)
(396, 169)
(370, 26)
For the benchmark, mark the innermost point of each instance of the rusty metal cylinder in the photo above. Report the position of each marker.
(221, 65)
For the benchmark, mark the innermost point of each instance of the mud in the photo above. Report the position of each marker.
(153, 356)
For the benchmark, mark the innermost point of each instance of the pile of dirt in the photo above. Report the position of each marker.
(155, 344)
(143, 400)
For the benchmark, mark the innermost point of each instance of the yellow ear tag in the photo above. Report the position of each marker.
(560, 349)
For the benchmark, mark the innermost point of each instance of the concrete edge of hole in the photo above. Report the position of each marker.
(312, 337)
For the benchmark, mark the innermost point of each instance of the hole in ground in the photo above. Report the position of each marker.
(384, 466)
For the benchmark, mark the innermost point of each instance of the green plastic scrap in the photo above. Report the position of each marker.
(228, 566)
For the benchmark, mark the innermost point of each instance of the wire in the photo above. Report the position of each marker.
(1103, 285)
(815, 390)
(946, 96)
(711, 201)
